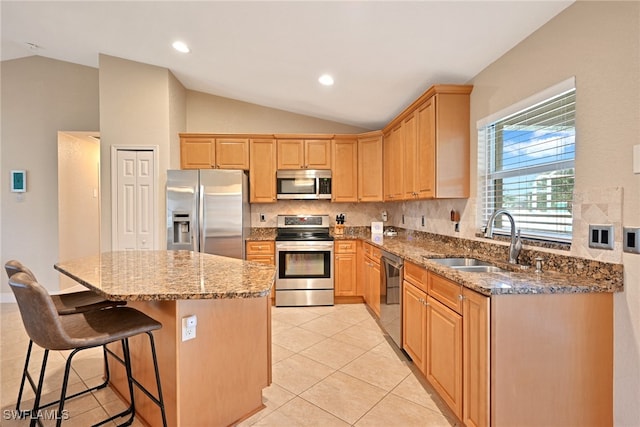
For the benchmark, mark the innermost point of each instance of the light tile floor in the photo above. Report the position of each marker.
(331, 366)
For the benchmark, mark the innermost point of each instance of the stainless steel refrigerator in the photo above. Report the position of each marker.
(208, 211)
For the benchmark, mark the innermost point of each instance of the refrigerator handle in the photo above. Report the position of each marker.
(201, 219)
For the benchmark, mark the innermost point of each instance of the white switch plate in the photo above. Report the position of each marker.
(636, 158)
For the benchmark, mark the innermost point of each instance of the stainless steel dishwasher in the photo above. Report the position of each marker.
(391, 273)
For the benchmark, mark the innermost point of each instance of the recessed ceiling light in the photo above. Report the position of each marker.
(326, 80)
(181, 47)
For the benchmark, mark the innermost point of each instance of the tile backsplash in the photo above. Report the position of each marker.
(592, 206)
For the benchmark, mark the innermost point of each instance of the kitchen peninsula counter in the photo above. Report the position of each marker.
(169, 275)
(214, 379)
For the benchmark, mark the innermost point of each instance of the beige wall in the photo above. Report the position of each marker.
(78, 197)
(136, 109)
(599, 44)
(210, 113)
(40, 97)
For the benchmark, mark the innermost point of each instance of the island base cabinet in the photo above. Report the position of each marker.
(215, 379)
(552, 360)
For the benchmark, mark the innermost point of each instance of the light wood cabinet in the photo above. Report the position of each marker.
(393, 164)
(435, 157)
(206, 152)
(475, 359)
(370, 177)
(419, 152)
(372, 277)
(432, 331)
(444, 353)
(425, 151)
(344, 170)
(345, 268)
(264, 252)
(414, 324)
(304, 153)
(410, 163)
(262, 171)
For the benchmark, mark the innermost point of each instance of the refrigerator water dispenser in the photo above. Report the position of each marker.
(181, 228)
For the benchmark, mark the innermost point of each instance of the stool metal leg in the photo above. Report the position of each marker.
(127, 365)
(25, 373)
(160, 400)
(35, 412)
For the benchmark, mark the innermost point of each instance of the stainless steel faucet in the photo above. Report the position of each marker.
(516, 244)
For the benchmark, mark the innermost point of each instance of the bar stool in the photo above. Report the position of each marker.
(78, 332)
(69, 303)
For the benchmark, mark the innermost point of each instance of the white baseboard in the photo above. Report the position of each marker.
(7, 297)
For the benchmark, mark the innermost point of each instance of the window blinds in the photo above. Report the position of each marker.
(526, 165)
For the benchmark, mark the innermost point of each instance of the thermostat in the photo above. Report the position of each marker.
(18, 181)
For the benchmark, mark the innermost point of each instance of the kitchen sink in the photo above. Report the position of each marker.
(479, 268)
(460, 262)
(470, 265)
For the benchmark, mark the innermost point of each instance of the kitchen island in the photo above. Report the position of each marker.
(215, 379)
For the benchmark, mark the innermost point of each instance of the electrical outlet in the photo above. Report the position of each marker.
(189, 324)
(263, 217)
(601, 236)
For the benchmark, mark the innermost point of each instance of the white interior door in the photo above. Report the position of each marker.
(135, 210)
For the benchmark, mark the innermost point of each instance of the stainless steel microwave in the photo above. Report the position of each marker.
(303, 184)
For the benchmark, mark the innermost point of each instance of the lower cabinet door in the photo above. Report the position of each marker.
(444, 353)
(414, 324)
(476, 359)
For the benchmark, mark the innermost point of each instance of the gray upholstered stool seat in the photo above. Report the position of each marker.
(68, 303)
(80, 331)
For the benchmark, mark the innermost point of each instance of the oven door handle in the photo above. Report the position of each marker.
(309, 247)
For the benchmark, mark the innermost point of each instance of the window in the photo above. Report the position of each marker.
(526, 160)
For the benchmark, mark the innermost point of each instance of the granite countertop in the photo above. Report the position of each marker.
(516, 279)
(561, 274)
(169, 275)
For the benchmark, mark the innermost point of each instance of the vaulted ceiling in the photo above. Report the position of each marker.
(382, 54)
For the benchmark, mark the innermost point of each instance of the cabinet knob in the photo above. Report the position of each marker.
(460, 297)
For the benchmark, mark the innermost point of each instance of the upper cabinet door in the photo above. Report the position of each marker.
(304, 154)
(393, 164)
(410, 162)
(197, 153)
(290, 154)
(262, 171)
(344, 170)
(452, 145)
(232, 153)
(370, 168)
(425, 150)
(206, 152)
(317, 154)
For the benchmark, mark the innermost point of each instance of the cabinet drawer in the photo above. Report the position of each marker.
(447, 292)
(260, 247)
(345, 246)
(262, 259)
(415, 275)
(372, 251)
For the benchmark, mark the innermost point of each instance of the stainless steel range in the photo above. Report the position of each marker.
(304, 261)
